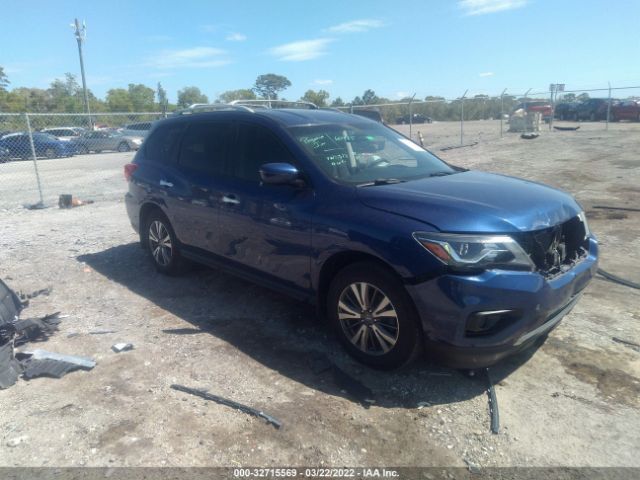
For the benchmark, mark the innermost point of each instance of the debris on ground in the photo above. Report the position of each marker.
(627, 209)
(567, 129)
(493, 405)
(352, 387)
(36, 329)
(35, 206)
(68, 201)
(101, 332)
(444, 149)
(632, 345)
(184, 331)
(229, 403)
(614, 278)
(122, 347)
(15, 331)
(25, 297)
(529, 136)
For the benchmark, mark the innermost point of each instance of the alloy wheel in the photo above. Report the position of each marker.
(368, 318)
(160, 243)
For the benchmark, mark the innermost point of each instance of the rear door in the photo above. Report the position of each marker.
(265, 228)
(201, 163)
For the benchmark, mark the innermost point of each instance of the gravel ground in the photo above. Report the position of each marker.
(573, 402)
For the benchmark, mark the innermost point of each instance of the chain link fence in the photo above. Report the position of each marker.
(43, 156)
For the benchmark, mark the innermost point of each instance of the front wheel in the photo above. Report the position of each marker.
(160, 240)
(123, 147)
(50, 153)
(374, 316)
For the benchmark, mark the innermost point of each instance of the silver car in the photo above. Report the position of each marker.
(100, 140)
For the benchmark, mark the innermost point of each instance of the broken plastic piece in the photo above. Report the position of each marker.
(229, 403)
(122, 347)
(82, 362)
(9, 367)
(493, 405)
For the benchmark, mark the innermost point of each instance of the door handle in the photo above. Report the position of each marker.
(230, 199)
(164, 183)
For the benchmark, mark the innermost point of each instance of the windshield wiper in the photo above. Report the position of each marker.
(381, 181)
(440, 174)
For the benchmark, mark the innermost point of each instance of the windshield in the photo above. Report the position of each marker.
(365, 153)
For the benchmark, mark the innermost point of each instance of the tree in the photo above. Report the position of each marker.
(241, 94)
(66, 94)
(118, 100)
(269, 85)
(319, 98)
(338, 102)
(4, 80)
(369, 97)
(141, 97)
(190, 95)
(583, 97)
(163, 102)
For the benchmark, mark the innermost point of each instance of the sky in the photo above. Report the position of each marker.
(397, 48)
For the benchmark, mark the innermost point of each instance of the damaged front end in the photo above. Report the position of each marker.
(557, 249)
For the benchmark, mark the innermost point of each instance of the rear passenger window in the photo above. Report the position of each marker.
(257, 145)
(205, 146)
(162, 145)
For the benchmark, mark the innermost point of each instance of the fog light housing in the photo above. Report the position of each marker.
(489, 322)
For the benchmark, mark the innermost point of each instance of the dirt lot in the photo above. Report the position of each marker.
(574, 402)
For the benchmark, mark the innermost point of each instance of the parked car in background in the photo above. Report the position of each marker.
(626, 110)
(400, 251)
(593, 109)
(99, 140)
(566, 111)
(63, 133)
(542, 107)
(139, 129)
(415, 118)
(45, 145)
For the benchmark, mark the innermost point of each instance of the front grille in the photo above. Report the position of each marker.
(556, 249)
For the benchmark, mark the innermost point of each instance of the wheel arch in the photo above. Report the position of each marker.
(145, 210)
(337, 262)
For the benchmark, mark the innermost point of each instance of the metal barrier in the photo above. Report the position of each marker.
(42, 154)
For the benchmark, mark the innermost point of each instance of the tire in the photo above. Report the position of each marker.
(98, 151)
(389, 341)
(124, 147)
(164, 253)
(83, 150)
(50, 153)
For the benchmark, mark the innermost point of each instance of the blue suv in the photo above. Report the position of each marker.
(400, 251)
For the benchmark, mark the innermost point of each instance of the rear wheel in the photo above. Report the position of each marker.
(374, 316)
(82, 149)
(160, 240)
(50, 153)
(123, 147)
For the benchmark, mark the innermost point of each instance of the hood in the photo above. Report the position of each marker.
(474, 202)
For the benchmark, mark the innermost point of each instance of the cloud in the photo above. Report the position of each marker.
(196, 57)
(236, 37)
(322, 82)
(482, 7)
(486, 74)
(302, 50)
(208, 28)
(354, 26)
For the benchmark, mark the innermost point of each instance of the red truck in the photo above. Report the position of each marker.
(626, 110)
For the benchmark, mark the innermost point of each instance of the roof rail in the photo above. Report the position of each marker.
(274, 103)
(211, 107)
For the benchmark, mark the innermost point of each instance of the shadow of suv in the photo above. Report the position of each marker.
(400, 251)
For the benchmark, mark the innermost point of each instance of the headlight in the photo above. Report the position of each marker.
(472, 252)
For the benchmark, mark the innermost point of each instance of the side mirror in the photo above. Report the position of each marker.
(280, 174)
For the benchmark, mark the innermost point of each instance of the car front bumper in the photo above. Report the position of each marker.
(446, 303)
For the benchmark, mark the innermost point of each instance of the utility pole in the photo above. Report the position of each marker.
(80, 33)
(411, 116)
(462, 117)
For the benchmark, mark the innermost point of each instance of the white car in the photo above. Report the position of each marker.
(64, 133)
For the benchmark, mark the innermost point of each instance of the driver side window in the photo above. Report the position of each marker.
(256, 145)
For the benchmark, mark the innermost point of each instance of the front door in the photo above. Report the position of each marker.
(266, 228)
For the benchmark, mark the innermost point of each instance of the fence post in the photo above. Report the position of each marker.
(462, 117)
(411, 117)
(33, 156)
(502, 109)
(608, 106)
